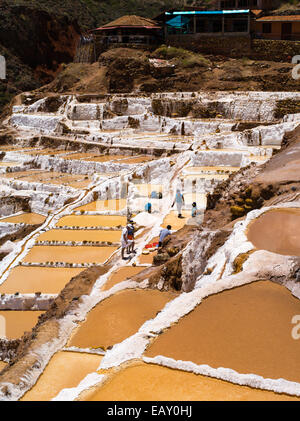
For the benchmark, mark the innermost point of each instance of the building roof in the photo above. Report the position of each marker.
(290, 18)
(131, 21)
(256, 12)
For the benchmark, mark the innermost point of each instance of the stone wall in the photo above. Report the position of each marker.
(242, 46)
(275, 50)
(231, 45)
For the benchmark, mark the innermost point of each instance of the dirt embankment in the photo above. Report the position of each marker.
(129, 70)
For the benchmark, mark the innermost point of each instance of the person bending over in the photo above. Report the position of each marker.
(163, 234)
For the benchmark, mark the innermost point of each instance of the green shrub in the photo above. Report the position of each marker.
(181, 57)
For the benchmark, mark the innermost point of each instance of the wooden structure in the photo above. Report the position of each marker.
(129, 30)
(278, 27)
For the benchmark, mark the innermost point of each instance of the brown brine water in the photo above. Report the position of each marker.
(247, 329)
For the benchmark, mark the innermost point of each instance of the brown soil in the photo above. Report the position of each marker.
(250, 332)
(123, 70)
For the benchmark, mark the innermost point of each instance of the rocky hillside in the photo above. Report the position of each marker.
(37, 37)
(127, 70)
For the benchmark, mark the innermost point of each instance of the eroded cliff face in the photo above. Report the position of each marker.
(35, 43)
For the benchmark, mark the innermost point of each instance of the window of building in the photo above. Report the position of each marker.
(267, 28)
(200, 25)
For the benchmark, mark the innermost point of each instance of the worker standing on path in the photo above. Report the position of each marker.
(179, 199)
(163, 234)
(124, 242)
(194, 209)
(130, 237)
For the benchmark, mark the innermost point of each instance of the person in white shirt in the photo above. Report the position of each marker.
(179, 199)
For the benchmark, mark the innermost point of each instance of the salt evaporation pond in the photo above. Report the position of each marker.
(80, 235)
(118, 317)
(25, 218)
(247, 329)
(122, 274)
(278, 231)
(69, 254)
(149, 382)
(28, 280)
(92, 221)
(18, 322)
(102, 205)
(65, 370)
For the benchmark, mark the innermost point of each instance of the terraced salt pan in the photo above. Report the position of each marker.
(209, 170)
(205, 176)
(79, 155)
(247, 329)
(28, 280)
(105, 158)
(25, 218)
(118, 317)
(80, 235)
(147, 189)
(69, 254)
(21, 174)
(175, 222)
(18, 322)
(137, 159)
(121, 275)
(278, 231)
(8, 164)
(65, 370)
(92, 221)
(44, 152)
(100, 205)
(149, 382)
(50, 177)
